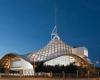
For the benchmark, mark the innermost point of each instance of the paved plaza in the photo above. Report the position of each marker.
(32, 78)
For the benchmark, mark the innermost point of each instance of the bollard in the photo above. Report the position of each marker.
(0, 75)
(69, 75)
(77, 74)
(88, 74)
(63, 74)
(98, 74)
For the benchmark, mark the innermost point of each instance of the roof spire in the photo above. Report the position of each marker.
(54, 33)
(55, 16)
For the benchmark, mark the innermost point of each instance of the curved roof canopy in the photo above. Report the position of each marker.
(13, 61)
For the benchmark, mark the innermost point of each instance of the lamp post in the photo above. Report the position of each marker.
(96, 71)
(0, 72)
(96, 62)
(34, 66)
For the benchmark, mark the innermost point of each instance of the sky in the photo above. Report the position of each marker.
(26, 25)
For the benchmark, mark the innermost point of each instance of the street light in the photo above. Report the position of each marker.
(96, 62)
(96, 71)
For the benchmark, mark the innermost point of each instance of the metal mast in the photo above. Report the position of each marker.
(54, 33)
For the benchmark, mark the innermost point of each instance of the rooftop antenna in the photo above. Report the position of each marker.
(54, 33)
